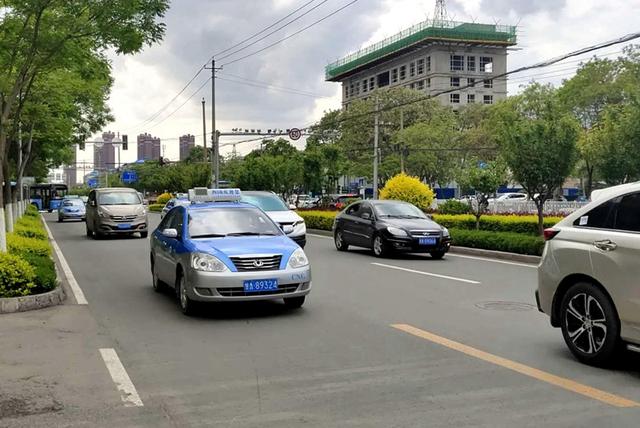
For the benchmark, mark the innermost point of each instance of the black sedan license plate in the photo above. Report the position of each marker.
(427, 241)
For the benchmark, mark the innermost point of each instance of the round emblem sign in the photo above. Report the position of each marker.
(295, 134)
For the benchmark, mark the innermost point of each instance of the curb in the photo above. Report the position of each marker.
(499, 255)
(31, 303)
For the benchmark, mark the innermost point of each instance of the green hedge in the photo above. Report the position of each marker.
(21, 245)
(30, 232)
(16, 276)
(496, 223)
(453, 206)
(321, 220)
(31, 211)
(156, 208)
(498, 241)
(45, 270)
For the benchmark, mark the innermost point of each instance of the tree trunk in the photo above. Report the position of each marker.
(8, 207)
(588, 188)
(3, 233)
(540, 207)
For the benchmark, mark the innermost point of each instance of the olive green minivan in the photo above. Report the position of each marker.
(116, 211)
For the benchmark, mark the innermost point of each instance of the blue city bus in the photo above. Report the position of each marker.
(47, 196)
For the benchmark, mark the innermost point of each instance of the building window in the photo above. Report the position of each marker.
(403, 72)
(428, 82)
(428, 64)
(372, 83)
(394, 75)
(471, 81)
(420, 66)
(455, 82)
(421, 85)
(488, 99)
(486, 64)
(454, 98)
(352, 90)
(383, 79)
(456, 62)
(357, 88)
(365, 85)
(488, 83)
(471, 98)
(412, 69)
(471, 63)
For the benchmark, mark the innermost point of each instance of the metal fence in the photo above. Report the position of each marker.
(520, 207)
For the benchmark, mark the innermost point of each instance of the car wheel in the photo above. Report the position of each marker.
(186, 304)
(379, 246)
(59, 219)
(590, 324)
(338, 240)
(437, 255)
(158, 286)
(294, 302)
(144, 234)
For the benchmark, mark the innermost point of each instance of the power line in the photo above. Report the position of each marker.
(265, 85)
(183, 104)
(271, 33)
(291, 35)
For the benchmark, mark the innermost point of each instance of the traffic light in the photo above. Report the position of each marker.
(125, 142)
(81, 146)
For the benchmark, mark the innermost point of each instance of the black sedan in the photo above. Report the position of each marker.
(387, 226)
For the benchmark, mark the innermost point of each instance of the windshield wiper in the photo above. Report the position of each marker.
(251, 234)
(210, 235)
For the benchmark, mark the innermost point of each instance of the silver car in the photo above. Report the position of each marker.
(588, 277)
(227, 251)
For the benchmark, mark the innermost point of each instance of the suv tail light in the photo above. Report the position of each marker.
(549, 234)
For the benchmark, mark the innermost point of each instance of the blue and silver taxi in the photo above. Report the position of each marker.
(220, 249)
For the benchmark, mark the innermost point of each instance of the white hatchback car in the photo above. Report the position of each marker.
(588, 277)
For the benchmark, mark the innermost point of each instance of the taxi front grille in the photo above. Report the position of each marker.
(252, 264)
(123, 217)
(239, 292)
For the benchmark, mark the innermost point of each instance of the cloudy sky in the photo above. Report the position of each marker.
(293, 72)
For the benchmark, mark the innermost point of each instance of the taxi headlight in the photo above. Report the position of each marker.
(207, 263)
(298, 259)
(397, 231)
(445, 232)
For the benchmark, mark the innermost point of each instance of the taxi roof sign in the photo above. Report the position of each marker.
(202, 194)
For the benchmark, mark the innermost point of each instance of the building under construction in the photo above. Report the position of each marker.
(430, 57)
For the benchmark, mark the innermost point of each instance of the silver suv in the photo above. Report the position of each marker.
(116, 211)
(588, 281)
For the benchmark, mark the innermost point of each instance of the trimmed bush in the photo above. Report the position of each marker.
(403, 187)
(30, 227)
(454, 207)
(498, 241)
(321, 220)
(21, 245)
(31, 211)
(16, 276)
(496, 223)
(164, 198)
(45, 271)
(156, 208)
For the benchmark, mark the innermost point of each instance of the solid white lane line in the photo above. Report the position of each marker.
(75, 288)
(120, 377)
(452, 278)
(485, 259)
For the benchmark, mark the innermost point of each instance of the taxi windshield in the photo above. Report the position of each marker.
(221, 222)
(266, 202)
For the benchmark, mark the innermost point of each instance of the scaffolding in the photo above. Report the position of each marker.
(427, 31)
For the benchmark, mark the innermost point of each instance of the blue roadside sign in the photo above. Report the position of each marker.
(92, 182)
(129, 177)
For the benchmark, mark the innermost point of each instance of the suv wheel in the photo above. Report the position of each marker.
(89, 231)
(590, 325)
(294, 302)
(338, 240)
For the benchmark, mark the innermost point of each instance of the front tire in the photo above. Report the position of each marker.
(59, 219)
(380, 248)
(158, 286)
(294, 302)
(144, 234)
(338, 240)
(590, 324)
(186, 304)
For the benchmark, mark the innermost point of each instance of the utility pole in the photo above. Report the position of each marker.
(376, 133)
(204, 129)
(215, 164)
(401, 142)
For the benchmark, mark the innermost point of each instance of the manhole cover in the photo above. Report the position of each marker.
(505, 306)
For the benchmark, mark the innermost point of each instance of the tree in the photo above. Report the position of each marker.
(537, 138)
(403, 187)
(39, 37)
(484, 179)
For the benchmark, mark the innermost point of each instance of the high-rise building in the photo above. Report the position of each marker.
(149, 147)
(187, 142)
(70, 173)
(105, 156)
(430, 57)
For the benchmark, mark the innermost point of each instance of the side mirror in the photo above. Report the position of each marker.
(170, 233)
(287, 228)
(366, 216)
(292, 207)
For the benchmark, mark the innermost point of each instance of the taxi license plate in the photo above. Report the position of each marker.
(427, 241)
(124, 226)
(257, 285)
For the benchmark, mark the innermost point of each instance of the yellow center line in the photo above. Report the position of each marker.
(570, 385)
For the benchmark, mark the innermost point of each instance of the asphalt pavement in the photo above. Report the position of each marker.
(399, 342)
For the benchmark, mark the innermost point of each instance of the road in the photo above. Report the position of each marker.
(399, 342)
